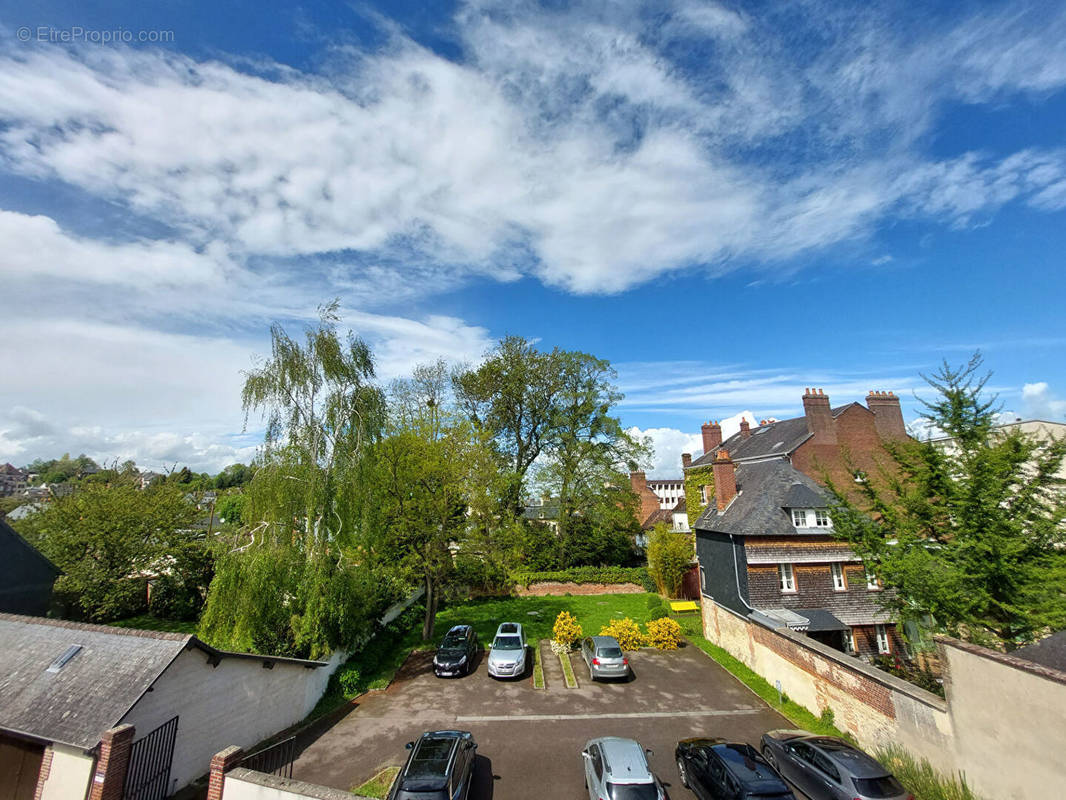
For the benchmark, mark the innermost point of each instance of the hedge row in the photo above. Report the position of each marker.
(635, 575)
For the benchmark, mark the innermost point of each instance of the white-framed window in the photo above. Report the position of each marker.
(873, 583)
(705, 494)
(799, 517)
(839, 583)
(849, 642)
(821, 519)
(787, 576)
(883, 645)
(703, 579)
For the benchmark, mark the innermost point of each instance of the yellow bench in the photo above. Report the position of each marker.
(684, 605)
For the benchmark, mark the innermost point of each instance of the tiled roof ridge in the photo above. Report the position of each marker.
(92, 627)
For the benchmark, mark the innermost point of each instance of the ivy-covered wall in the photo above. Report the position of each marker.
(695, 477)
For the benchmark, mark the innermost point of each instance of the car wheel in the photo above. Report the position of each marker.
(768, 754)
(682, 772)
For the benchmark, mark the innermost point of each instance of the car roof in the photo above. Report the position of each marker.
(623, 760)
(603, 641)
(746, 765)
(857, 763)
(458, 629)
(509, 628)
(431, 759)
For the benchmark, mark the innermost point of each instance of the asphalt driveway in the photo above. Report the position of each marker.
(529, 741)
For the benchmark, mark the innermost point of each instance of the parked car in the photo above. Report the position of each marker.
(827, 768)
(617, 769)
(440, 767)
(604, 657)
(507, 655)
(716, 769)
(457, 652)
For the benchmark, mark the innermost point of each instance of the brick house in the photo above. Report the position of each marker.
(662, 500)
(766, 550)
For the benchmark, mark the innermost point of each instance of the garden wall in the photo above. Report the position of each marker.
(543, 588)
(1001, 724)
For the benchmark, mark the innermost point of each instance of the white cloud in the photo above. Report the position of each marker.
(1041, 403)
(668, 445)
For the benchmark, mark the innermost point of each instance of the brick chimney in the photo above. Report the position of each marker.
(819, 417)
(649, 501)
(888, 417)
(725, 479)
(745, 428)
(712, 436)
(686, 460)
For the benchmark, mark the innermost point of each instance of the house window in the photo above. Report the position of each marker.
(883, 646)
(873, 583)
(799, 517)
(821, 519)
(703, 579)
(839, 584)
(849, 642)
(703, 494)
(788, 579)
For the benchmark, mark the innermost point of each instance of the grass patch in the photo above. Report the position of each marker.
(146, 622)
(538, 667)
(379, 785)
(921, 778)
(568, 671)
(798, 715)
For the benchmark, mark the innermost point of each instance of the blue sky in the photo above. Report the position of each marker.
(730, 202)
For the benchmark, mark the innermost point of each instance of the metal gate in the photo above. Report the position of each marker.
(148, 775)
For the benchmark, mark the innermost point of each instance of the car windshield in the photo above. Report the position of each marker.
(632, 791)
(609, 652)
(507, 643)
(885, 786)
(453, 641)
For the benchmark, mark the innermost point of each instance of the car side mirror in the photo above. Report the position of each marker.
(649, 751)
(409, 745)
(474, 745)
(586, 754)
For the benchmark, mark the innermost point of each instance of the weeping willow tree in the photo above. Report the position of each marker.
(297, 581)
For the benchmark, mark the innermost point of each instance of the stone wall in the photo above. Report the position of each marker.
(543, 588)
(1001, 724)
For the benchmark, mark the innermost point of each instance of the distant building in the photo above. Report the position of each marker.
(1040, 428)
(26, 576)
(12, 480)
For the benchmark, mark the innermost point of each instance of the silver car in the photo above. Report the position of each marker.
(618, 769)
(604, 657)
(826, 768)
(507, 655)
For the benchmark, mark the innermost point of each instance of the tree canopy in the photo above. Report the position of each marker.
(969, 529)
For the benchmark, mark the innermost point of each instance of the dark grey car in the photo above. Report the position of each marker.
(440, 767)
(826, 768)
(604, 657)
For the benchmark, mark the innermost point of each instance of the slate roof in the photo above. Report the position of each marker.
(766, 441)
(764, 489)
(657, 516)
(96, 688)
(1049, 652)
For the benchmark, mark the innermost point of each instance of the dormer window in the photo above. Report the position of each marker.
(811, 518)
(799, 517)
(821, 519)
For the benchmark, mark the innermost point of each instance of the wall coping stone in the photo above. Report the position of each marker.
(289, 785)
(1006, 659)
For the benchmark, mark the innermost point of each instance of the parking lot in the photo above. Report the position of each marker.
(529, 740)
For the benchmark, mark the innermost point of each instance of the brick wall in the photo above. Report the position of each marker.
(110, 777)
(543, 588)
(858, 444)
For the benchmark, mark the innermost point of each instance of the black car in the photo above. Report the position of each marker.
(715, 769)
(440, 767)
(456, 653)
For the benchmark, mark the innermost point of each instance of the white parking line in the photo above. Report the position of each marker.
(627, 715)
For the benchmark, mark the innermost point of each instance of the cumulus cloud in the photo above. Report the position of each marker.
(1041, 403)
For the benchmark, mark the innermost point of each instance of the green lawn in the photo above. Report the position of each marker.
(379, 785)
(537, 614)
(146, 622)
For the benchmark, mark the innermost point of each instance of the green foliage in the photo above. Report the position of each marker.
(65, 468)
(106, 538)
(379, 785)
(969, 532)
(670, 555)
(695, 477)
(664, 633)
(538, 667)
(179, 593)
(568, 670)
(233, 476)
(626, 631)
(147, 622)
(230, 509)
(910, 672)
(921, 778)
(606, 575)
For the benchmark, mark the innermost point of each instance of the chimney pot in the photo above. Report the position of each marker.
(712, 436)
(725, 479)
(745, 428)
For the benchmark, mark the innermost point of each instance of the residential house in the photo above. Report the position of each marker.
(66, 687)
(765, 550)
(26, 576)
(1039, 428)
(12, 480)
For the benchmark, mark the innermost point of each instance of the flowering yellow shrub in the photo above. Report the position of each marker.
(626, 631)
(665, 633)
(566, 631)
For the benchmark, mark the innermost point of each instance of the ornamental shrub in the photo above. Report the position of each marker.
(669, 557)
(566, 630)
(664, 634)
(349, 681)
(626, 631)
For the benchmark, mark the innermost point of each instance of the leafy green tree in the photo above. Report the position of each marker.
(427, 470)
(969, 531)
(229, 508)
(299, 582)
(107, 538)
(669, 557)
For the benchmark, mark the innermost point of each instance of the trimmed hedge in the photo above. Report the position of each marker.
(634, 575)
